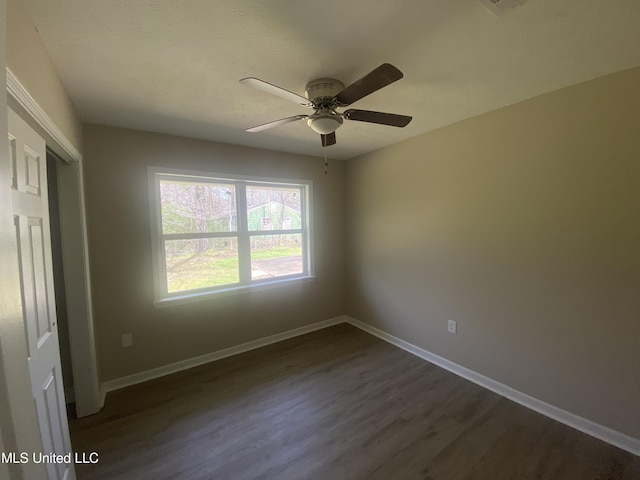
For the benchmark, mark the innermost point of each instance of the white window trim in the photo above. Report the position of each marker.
(163, 298)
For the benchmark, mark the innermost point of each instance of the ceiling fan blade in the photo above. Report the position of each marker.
(275, 90)
(390, 119)
(276, 123)
(382, 76)
(328, 140)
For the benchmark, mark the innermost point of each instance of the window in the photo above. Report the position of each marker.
(215, 234)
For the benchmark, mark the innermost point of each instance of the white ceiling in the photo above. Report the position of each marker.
(173, 66)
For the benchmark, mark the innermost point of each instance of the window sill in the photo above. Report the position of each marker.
(212, 294)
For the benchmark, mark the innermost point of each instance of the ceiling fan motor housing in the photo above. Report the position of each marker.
(323, 90)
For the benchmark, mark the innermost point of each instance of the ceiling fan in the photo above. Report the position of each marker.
(325, 95)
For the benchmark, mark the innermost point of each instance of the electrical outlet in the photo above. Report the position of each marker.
(127, 339)
(452, 326)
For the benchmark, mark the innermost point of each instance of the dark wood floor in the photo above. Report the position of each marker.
(334, 404)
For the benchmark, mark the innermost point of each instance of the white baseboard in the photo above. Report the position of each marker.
(119, 383)
(606, 434)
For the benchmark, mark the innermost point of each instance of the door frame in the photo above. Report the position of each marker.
(89, 397)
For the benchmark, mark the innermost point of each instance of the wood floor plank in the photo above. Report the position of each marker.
(333, 404)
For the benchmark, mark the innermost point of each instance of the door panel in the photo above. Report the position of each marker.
(31, 217)
(48, 408)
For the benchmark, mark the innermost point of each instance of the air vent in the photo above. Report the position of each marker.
(500, 7)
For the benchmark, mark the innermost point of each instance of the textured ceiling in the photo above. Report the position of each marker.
(173, 66)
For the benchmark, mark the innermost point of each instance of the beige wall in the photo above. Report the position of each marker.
(523, 225)
(116, 162)
(29, 61)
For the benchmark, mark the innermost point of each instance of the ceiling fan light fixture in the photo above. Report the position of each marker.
(324, 124)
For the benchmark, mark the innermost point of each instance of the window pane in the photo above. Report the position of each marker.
(273, 208)
(201, 263)
(276, 256)
(197, 207)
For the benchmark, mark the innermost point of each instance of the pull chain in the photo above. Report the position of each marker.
(326, 163)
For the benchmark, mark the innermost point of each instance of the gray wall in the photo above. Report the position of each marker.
(523, 225)
(117, 203)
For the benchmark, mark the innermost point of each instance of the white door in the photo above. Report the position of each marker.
(30, 207)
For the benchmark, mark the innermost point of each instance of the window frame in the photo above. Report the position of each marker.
(162, 297)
